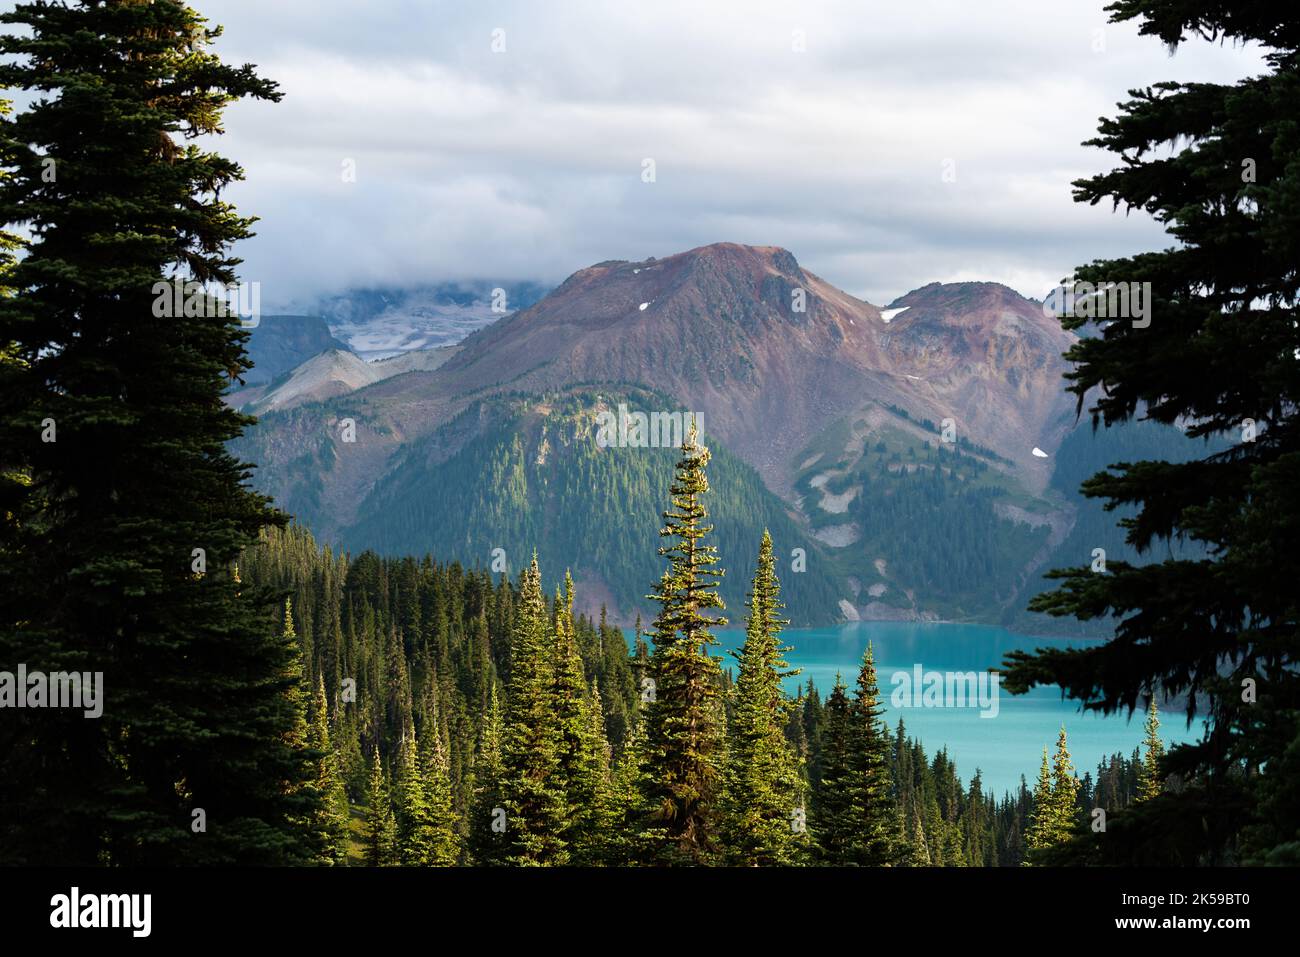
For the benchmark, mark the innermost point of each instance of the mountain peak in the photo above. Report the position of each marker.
(964, 295)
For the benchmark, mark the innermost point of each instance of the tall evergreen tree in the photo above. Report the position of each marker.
(684, 736)
(579, 752)
(1056, 811)
(628, 839)
(835, 809)
(762, 800)
(381, 848)
(1042, 825)
(1150, 781)
(486, 841)
(532, 791)
(415, 821)
(874, 801)
(1218, 165)
(443, 836)
(329, 823)
(112, 413)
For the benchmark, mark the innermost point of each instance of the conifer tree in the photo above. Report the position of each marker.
(684, 739)
(330, 821)
(1065, 785)
(835, 809)
(1214, 164)
(532, 791)
(918, 849)
(1150, 782)
(1055, 815)
(761, 797)
(443, 835)
(415, 822)
(629, 841)
(1042, 826)
(381, 824)
(876, 836)
(486, 842)
(112, 411)
(578, 751)
(607, 808)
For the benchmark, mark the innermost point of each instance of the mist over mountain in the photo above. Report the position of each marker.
(383, 322)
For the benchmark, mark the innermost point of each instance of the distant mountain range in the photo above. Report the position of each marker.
(894, 447)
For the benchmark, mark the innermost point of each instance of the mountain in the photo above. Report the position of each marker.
(719, 332)
(277, 344)
(873, 432)
(331, 373)
(514, 474)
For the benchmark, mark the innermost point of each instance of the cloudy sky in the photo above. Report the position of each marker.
(825, 128)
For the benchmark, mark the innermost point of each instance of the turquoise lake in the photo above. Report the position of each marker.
(1004, 747)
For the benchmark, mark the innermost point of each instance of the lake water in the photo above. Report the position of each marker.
(1004, 746)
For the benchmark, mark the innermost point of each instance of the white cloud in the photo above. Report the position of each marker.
(527, 163)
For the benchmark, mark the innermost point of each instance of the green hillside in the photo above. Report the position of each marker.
(531, 476)
(1084, 453)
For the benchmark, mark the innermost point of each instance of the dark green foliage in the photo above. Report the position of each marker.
(509, 475)
(381, 847)
(532, 791)
(876, 832)
(834, 800)
(102, 516)
(856, 813)
(582, 753)
(329, 822)
(940, 530)
(762, 802)
(684, 740)
(424, 645)
(1218, 356)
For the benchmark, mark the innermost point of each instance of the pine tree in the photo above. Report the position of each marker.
(628, 840)
(1042, 825)
(532, 791)
(1150, 782)
(330, 822)
(486, 841)
(875, 839)
(381, 824)
(579, 752)
(684, 739)
(835, 810)
(112, 412)
(443, 836)
(1214, 163)
(762, 803)
(1065, 787)
(415, 822)
(918, 849)
(1056, 813)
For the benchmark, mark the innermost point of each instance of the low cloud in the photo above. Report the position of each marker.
(527, 163)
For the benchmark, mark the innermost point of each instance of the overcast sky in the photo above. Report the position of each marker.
(527, 163)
